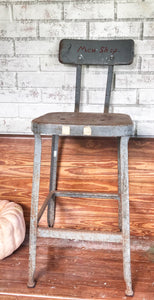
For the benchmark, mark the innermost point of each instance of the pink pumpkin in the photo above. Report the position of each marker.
(12, 227)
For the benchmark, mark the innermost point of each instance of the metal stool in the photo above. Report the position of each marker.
(85, 52)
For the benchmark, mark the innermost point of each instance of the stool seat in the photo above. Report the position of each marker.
(75, 123)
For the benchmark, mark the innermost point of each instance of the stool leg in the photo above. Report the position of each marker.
(119, 188)
(34, 210)
(53, 176)
(125, 214)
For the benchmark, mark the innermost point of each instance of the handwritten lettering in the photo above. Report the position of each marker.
(103, 49)
(90, 50)
(113, 51)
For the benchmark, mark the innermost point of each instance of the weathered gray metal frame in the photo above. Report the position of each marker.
(34, 210)
(122, 133)
(124, 186)
(79, 235)
(105, 52)
(53, 175)
(105, 131)
(122, 197)
(108, 89)
(78, 87)
(119, 188)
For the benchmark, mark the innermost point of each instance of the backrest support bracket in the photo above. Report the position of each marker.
(78, 87)
(95, 52)
(108, 88)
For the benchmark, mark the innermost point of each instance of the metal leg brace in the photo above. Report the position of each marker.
(34, 210)
(125, 214)
(53, 176)
(123, 191)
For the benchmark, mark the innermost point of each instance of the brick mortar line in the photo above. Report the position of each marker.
(132, 105)
(119, 21)
(26, 39)
(89, 20)
(142, 31)
(67, 2)
(135, 19)
(135, 72)
(49, 40)
(57, 20)
(115, 10)
(19, 2)
(63, 12)
(82, 20)
(37, 30)
(14, 48)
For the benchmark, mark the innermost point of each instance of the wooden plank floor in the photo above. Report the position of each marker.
(87, 165)
(73, 270)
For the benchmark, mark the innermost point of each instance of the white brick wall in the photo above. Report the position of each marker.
(46, 79)
(87, 10)
(148, 29)
(5, 12)
(6, 48)
(17, 64)
(33, 82)
(113, 29)
(147, 63)
(135, 9)
(7, 80)
(17, 30)
(38, 12)
(32, 47)
(63, 29)
(134, 81)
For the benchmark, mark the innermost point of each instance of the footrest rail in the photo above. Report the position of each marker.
(86, 195)
(78, 235)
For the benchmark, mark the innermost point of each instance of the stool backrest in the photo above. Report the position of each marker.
(95, 52)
